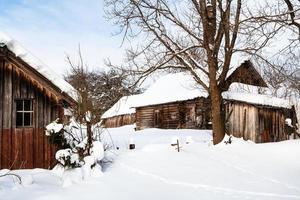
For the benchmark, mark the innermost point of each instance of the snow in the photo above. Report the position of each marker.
(171, 88)
(174, 140)
(53, 127)
(61, 154)
(288, 122)
(72, 176)
(85, 169)
(66, 154)
(88, 116)
(97, 150)
(155, 170)
(122, 107)
(38, 65)
(182, 86)
(189, 140)
(259, 99)
(68, 112)
(74, 164)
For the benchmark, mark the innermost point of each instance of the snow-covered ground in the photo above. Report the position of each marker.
(155, 170)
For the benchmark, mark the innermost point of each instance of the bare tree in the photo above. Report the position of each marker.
(99, 89)
(293, 9)
(197, 36)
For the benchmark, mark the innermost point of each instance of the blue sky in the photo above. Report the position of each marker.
(51, 29)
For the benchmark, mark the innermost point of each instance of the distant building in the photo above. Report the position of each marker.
(176, 101)
(31, 96)
(121, 113)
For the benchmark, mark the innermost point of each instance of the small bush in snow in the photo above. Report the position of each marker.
(77, 150)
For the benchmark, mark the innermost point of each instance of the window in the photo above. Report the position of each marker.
(24, 112)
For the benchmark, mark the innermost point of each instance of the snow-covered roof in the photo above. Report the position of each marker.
(122, 107)
(258, 99)
(182, 86)
(38, 65)
(171, 88)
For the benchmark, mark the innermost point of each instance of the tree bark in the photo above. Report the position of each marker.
(89, 136)
(218, 120)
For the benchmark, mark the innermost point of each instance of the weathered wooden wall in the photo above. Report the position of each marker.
(24, 147)
(118, 121)
(185, 114)
(257, 123)
(248, 121)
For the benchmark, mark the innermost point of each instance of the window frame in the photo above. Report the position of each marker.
(23, 112)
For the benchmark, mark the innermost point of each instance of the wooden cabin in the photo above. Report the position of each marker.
(31, 96)
(174, 101)
(190, 114)
(121, 113)
(249, 120)
(261, 120)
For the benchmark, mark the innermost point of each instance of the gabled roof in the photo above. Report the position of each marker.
(43, 71)
(122, 107)
(171, 88)
(182, 87)
(245, 73)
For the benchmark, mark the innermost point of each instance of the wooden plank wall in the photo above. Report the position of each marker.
(241, 120)
(272, 125)
(23, 147)
(120, 120)
(1, 102)
(257, 123)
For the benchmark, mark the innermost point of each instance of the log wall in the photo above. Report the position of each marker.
(24, 147)
(118, 121)
(185, 114)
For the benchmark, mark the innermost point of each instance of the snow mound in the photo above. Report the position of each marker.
(27, 179)
(97, 151)
(72, 176)
(189, 140)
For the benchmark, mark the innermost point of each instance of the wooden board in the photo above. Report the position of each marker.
(23, 147)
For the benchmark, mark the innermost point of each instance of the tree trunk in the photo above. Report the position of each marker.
(89, 136)
(218, 121)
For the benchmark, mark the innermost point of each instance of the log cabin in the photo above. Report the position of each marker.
(31, 96)
(121, 113)
(176, 101)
